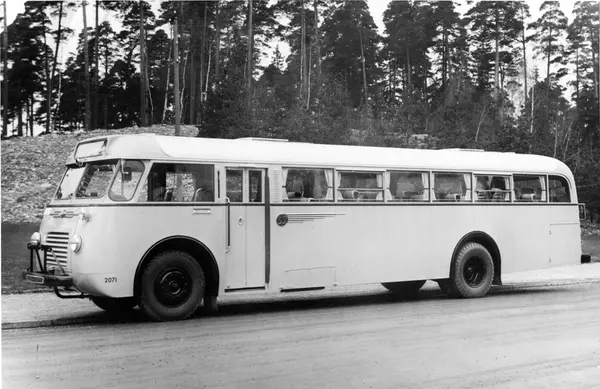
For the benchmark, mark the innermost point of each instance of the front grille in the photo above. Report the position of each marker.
(59, 241)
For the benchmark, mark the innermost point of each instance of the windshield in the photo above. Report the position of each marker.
(89, 181)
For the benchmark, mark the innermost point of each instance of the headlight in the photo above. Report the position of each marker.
(36, 239)
(75, 243)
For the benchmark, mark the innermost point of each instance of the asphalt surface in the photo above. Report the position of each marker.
(534, 333)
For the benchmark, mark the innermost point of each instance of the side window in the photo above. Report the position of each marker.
(408, 186)
(529, 188)
(126, 181)
(489, 188)
(451, 187)
(256, 193)
(235, 185)
(360, 186)
(559, 190)
(179, 183)
(304, 184)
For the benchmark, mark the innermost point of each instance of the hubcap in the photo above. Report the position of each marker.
(474, 271)
(173, 287)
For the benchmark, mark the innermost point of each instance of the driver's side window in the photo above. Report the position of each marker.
(179, 183)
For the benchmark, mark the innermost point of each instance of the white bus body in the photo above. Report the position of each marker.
(251, 235)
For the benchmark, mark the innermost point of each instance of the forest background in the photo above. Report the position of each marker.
(444, 77)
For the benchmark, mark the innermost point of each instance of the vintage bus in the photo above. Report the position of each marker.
(170, 223)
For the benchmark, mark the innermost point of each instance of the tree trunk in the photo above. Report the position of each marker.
(308, 80)
(28, 115)
(218, 48)
(193, 89)
(5, 78)
(364, 72)
(203, 49)
(408, 71)
(48, 85)
(166, 103)
(20, 121)
(182, 93)
(497, 67)
(55, 62)
(577, 76)
(524, 42)
(445, 58)
(302, 50)
(96, 75)
(532, 109)
(143, 118)
(250, 56)
(318, 51)
(31, 104)
(497, 76)
(87, 69)
(176, 76)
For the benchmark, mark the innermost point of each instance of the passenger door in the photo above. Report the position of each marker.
(245, 252)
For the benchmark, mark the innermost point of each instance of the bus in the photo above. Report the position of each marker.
(171, 223)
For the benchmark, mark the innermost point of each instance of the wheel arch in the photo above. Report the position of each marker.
(490, 244)
(192, 246)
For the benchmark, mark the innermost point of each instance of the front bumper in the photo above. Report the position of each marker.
(44, 275)
(40, 278)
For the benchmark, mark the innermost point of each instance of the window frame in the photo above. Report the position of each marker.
(533, 175)
(285, 170)
(505, 175)
(570, 187)
(468, 190)
(388, 177)
(337, 181)
(137, 186)
(150, 165)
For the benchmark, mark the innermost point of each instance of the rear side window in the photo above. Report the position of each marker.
(408, 186)
(451, 187)
(529, 188)
(490, 188)
(559, 190)
(306, 184)
(360, 186)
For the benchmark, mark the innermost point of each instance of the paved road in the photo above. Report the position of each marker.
(515, 338)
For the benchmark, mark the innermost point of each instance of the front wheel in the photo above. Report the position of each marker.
(172, 286)
(473, 272)
(116, 305)
(404, 288)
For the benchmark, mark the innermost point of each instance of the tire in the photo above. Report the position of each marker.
(172, 286)
(114, 305)
(473, 272)
(404, 288)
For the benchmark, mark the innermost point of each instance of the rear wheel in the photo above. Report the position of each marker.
(110, 304)
(473, 272)
(405, 287)
(172, 286)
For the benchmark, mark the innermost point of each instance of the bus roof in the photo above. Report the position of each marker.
(254, 151)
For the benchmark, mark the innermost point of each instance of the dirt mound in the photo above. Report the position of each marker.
(33, 167)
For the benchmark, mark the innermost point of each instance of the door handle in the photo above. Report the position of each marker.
(228, 223)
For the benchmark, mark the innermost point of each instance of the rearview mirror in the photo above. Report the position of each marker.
(127, 174)
(582, 212)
